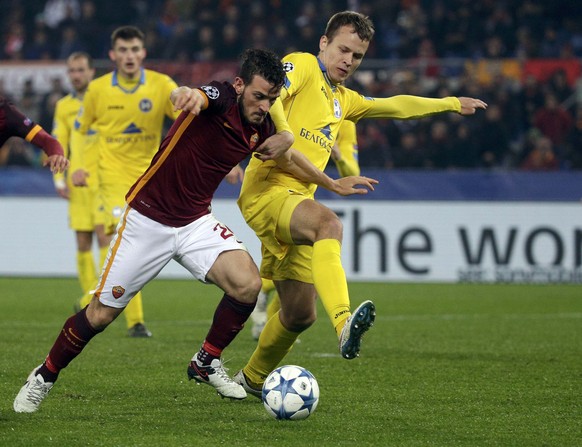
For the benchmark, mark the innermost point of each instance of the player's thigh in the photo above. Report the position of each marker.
(81, 217)
(235, 272)
(140, 249)
(113, 200)
(206, 240)
(311, 221)
(295, 265)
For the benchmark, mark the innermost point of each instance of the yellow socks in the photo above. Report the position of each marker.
(274, 344)
(134, 311)
(273, 306)
(330, 281)
(86, 270)
(267, 285)
(87, 276)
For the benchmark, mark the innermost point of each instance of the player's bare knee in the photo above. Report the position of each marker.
(331, 227)
(100, 316)
(298, 322)
(248, 291)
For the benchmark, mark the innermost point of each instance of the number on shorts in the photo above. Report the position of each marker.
(225, 232)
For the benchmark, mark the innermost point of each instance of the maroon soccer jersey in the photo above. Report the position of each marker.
(14, 124)
(194, 157)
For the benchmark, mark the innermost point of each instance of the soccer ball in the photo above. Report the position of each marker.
(290, 392)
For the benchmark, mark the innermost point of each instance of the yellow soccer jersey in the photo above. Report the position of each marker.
(315, 109)
(347, 142)
(128, 119)
(74, 144)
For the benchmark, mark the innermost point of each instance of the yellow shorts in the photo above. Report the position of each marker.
(113, 196)
(268, 213)
(85, 208)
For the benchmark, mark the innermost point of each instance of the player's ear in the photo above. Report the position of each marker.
(238, 85)
(112, 55)
(323, 42)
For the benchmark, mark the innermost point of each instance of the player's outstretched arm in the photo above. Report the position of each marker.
(355, 184)
(57, 163)
(188, 99)
(56, 159)
(300, 167)
(470, 105)
(275, 146)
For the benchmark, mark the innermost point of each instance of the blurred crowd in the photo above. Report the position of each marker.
(530, 124)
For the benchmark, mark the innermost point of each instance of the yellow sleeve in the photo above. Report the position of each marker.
(170, 112)
(347, 143)
(86, 115)
(61, 131)
(278, 116)
(401, 107)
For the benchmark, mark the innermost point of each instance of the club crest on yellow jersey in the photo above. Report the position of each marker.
(145, 105)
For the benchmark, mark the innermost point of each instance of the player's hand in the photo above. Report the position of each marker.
(235, 175)
(187, 99)
(79, 177)
(347, 186)
(57, 163)
(470, 105)
(274, 146)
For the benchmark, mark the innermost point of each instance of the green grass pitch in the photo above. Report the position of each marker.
(444, 365)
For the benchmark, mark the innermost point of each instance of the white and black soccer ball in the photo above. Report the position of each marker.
(290, 392)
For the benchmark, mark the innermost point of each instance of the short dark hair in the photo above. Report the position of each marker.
(81, 55)
(127, 32)
(361, 24)
(264, 63)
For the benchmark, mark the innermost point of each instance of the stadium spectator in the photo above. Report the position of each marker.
(14, 41)
(48, 102)
(492, 139)
(438, 31)
(542, 157)
(57, 12)
(89, 30)
(29, 101)
(553, 121)
(69, 42)
(41, 48)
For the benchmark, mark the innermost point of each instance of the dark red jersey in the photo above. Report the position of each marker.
(194, 157)
(14, 124)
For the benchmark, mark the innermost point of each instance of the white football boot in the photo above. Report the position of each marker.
(215, 375)
(32, 393)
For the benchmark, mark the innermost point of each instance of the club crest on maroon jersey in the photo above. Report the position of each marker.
(253, 140)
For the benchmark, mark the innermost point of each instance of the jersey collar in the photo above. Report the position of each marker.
(324, 72)
(115, 81)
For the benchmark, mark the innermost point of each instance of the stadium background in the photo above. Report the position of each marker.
(496, 176)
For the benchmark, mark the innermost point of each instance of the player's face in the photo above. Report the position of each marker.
(343, 54)
(80, 74)
(128, 56)
(256, 98)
